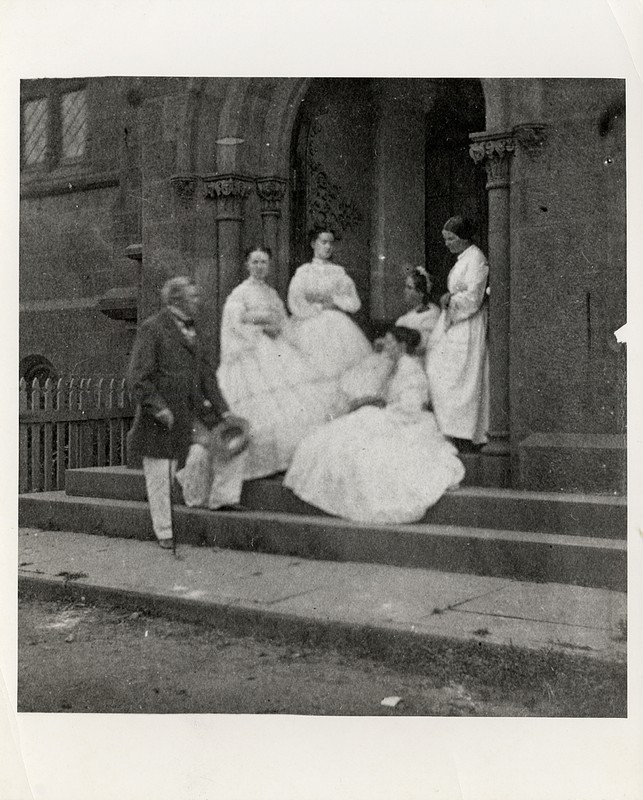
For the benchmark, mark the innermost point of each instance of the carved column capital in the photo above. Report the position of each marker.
(531, 137)
(271, 192)
(494, 150)
(229, 190)
(184, 187)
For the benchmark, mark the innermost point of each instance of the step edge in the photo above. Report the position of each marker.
(221, 613)
(464, 491)
(432, 529)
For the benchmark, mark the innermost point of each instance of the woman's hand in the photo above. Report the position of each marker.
(318, 297)
(376, 401)
(272, 329)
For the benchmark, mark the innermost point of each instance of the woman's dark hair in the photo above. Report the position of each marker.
(421, 280)
(257, 248)
(462, 227)
(316, 231)
(407, 336)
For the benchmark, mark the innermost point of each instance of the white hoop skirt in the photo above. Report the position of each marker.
(282, 398)
(378, 465)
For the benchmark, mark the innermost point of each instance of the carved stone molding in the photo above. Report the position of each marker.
(328, 205)
(271, 192)
(184, 188)
(531, 137)
(229, 190)
(494, 150)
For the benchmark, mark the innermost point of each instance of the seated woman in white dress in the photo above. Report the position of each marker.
(457, 359)
(422, 315)
(385, 464)
(265, 380)
(262, 376)
(320, 297)
(368, 377)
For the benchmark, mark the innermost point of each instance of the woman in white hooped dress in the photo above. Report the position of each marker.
(385, 464)
(320, 297)
(457, 361)
(264, 380)
(369, 376)
(263, 377)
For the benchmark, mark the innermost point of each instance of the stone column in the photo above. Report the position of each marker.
(184, 206)
(230, 191)
(494, 150)
(271, 193)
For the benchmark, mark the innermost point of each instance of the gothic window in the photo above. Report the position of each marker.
(35, 128)
(54, 125)
(73, 122)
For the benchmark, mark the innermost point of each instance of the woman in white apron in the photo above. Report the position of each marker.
(457, 357)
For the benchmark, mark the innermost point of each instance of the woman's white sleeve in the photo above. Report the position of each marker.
(297, 303)
(345, 295)
(236, 334)
(409, 401)
(279, 307)
(428, 325)
(469, 297)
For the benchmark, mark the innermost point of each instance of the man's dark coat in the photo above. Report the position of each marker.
(167, 371)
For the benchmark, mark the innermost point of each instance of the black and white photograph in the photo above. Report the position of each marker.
(322, 417)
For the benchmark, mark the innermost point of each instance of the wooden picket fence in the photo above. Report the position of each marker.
(72, 422)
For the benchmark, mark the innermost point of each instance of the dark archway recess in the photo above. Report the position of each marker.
(37, 366)
(337, 158)
(333, 131)
(454, 185)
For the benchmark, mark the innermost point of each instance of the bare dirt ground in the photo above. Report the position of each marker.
(79, 658)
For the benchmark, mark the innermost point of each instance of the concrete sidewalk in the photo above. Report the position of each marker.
(277, 594)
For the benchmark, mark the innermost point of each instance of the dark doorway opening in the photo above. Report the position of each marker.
(454, 184)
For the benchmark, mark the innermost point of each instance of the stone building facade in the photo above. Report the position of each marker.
(126, 181)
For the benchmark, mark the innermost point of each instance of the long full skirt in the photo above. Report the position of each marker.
(281, 396)
(370, 467)
(457, 366)
(331, 341)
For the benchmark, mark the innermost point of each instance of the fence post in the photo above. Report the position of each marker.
(123, 426)
(86, 426)
(23, 453)
(72, 405)
(48, 426)
(61, 435)
(101, 424)
(36, 428)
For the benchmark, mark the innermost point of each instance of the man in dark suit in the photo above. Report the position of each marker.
(175, 387)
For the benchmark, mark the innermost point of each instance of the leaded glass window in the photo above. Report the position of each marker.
(35, 131)
(73, 119)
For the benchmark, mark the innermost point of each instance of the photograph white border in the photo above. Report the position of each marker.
(104, 757)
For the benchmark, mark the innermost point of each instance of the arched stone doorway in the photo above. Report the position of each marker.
(384, 162)
(454, 184)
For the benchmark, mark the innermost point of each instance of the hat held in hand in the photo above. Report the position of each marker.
(231, 436)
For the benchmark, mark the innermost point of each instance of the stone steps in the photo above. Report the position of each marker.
(603, 516)
(567, 556)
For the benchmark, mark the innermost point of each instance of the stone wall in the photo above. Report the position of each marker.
(73, 233)
(568, 271)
